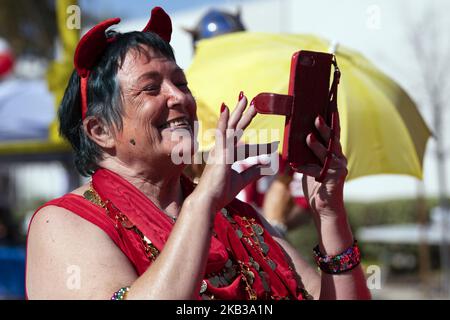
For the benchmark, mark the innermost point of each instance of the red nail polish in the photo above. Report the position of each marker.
(222, 107)
(312, 137)
(241, 95)
(321, 121)
(252, 103)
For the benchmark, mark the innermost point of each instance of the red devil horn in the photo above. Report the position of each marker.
(92, 46)
(160, 24)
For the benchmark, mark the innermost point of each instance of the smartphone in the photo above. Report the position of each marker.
(309, 84)
(309, 96)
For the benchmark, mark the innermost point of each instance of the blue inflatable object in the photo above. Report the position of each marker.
(216, 22)
(12, 272)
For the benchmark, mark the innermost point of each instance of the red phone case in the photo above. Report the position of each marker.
(309, 96)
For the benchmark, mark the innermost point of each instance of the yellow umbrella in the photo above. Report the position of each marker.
(382, 131)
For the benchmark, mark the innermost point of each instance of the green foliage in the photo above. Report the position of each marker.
(386, 212)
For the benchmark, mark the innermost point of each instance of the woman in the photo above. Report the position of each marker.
(140, 229)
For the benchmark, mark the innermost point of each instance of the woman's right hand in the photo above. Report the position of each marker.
(219, 183)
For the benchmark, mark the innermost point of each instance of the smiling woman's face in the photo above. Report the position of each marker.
(159, 109)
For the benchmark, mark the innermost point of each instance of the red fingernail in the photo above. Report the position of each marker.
(241, 95)
(321, 121)
(252, 103)
(312, 138)
(222, 107)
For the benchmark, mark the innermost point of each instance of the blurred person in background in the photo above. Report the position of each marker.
(140, 229)
(6, 68)
(8, 230)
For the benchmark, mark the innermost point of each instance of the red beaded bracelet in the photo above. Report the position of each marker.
(342, 262)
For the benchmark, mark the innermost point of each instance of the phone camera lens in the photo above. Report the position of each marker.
(307, 61)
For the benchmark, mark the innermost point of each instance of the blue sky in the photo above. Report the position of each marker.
(136, 8)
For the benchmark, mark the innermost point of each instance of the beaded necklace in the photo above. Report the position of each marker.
(253, 236)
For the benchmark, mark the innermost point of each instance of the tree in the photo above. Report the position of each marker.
(432, 51)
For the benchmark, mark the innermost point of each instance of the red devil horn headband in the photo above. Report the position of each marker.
(94, 43)
(160, 24)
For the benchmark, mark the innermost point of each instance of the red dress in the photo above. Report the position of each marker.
(244, 261)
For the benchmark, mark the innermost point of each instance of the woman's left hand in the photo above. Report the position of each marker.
(327, 201)
(326, 198)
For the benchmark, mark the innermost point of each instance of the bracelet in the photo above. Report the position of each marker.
(120, 294)
(342, 262)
